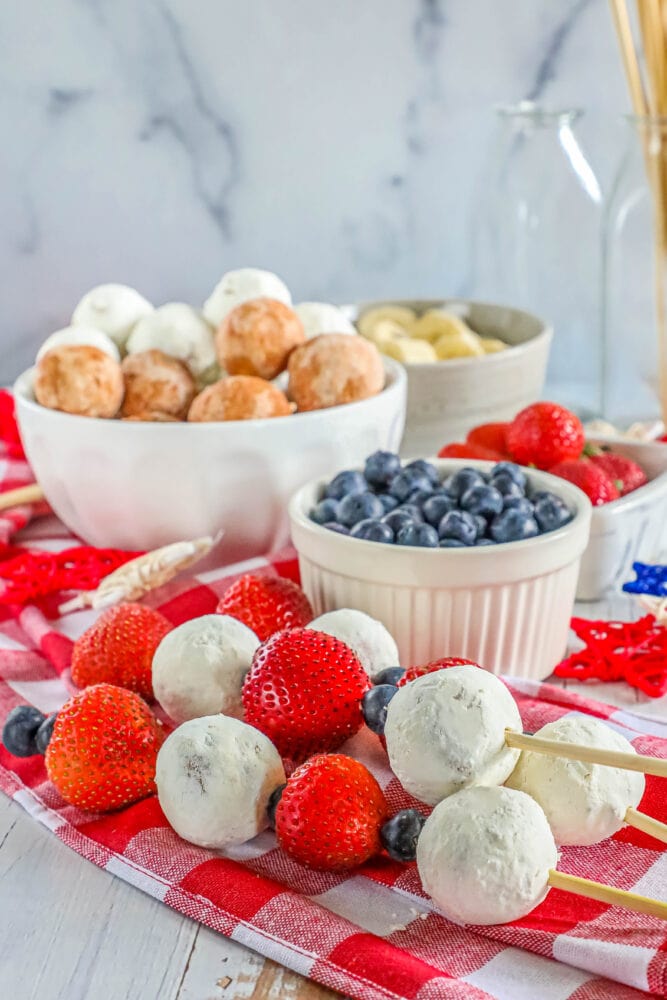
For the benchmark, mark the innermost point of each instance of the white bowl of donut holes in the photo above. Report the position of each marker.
(146, 426)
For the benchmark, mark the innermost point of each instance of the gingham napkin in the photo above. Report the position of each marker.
(372, 933)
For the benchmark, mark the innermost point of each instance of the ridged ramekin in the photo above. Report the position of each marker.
(508, 606)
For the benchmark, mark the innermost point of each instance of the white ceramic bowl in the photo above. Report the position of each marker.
(508, 607)
(632, 528)
(141, 485)
(446, 399)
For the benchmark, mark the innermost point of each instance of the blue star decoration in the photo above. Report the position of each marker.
(650, 580)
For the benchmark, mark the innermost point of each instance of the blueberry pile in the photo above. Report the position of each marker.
(410, 505)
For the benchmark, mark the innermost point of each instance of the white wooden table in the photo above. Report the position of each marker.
(70, 931)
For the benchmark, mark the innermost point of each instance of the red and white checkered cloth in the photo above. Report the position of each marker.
(371, 934)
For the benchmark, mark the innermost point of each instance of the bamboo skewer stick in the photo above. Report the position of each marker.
(592, 755)
(24, 494)
(608, 894)
(640, 821)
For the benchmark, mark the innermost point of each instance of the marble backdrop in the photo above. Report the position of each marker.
(344, 145)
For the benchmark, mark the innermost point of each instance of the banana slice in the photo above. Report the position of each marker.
(400, 315)
(491, 345)
(458, 344)
(409, 350)
(386, 331)
(436, 323)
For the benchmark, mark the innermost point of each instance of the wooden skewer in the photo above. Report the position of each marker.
(629, 54)
(24, 494)
(592, 755)
(647, 824)
(608, 894)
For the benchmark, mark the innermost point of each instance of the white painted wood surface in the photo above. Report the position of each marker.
(70, 931)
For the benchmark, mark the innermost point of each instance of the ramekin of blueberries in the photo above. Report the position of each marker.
(414, 505)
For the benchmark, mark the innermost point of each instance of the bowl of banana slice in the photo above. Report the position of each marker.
(468, 363)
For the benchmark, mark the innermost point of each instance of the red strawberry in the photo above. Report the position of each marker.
(304, 692)
(625, 474)
(544, 434)
(590, 478)
(330, 814)
(461, 449)
(491, 436)
(266, 604)
(119, 647)
(103, 749)
(412, 673)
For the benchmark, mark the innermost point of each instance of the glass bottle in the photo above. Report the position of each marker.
(538, 243)
(634, 251)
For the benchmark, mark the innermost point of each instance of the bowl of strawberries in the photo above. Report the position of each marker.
(625, 480)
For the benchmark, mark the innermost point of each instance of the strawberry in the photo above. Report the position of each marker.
(304, 692)
(330, 813)
(460, 449)
(594, 481)
(103, 749)
(491, 436)
(624, 473)
(544, 434)
(266, 604)
(412, 673)
(119, 647)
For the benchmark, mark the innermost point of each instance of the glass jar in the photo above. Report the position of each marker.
(538, 242)
(634, 252)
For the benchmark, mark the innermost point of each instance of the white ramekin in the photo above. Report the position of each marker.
(632, 528)
(508, 607)
(446, 399)
(140, 485)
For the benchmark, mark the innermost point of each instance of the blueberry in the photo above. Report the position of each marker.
(452, 543)
(374, 706)
(425, 468)
(513, 525)
(407, 481)
(551, 512)
(43, 737)
(482, 525)
(20, 730)
(326, 510)
(371, 530)
(390, 675)
(461, 482)
(397, 519)
(512, 470)
(519, 503)
(357, 507)
(435, 508)
(381, 467)
(504, 483)
(399, 835)
(460, 525)
(387, 501)
(418, 534)
(345, 483)
(419, 497)
(482, 541)
(271, 806)
(413, 510)
(482, 499)
(335, 526)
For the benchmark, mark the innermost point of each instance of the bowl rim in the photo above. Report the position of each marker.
(395, 383)
(551, 539)
(514, 351)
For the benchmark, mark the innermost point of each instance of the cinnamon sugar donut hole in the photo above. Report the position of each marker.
(156, 383)
(79, 379)
(154, 417)
(256, 338)
(240, 397)
(332, 369)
